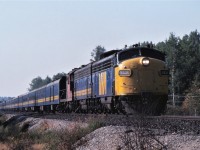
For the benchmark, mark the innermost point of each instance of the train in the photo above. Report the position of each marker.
(128, 80)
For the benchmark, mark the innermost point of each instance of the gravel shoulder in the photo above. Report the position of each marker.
(117, 138)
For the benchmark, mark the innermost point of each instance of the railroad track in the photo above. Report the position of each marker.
(176, 117)
(75, 115)
(168, 124)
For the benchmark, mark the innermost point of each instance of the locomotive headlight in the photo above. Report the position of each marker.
(145, 61)
(125, 72)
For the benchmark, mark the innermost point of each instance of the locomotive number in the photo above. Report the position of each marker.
(164, 72)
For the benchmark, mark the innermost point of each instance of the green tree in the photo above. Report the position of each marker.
(147, 43)
(47, 80)
(39, 82)
(36, 83)
(97, 52)
(182, 59)
(170, 47)
(188, 60)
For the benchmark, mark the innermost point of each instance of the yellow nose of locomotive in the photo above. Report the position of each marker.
(141, 74)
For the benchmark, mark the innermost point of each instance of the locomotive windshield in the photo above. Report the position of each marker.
(138, 52)
(128, 54)
(152, 53)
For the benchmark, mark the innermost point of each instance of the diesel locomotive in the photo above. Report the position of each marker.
(122, 81)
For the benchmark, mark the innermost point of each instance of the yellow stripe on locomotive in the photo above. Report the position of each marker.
(83, 92)
(102, 83)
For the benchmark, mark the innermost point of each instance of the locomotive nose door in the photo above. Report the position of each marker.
(146, 80)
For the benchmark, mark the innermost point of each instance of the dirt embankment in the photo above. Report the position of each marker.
(41, 125)
(23, 132)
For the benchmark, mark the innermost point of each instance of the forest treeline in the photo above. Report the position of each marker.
(39, 81)
(182, 58)
(5, 98)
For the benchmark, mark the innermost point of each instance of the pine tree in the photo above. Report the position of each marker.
(97, 52)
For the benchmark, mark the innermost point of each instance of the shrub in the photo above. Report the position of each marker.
(66, 139)
(175, 111)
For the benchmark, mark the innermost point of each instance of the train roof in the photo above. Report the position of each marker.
(108, 53)
(50, 84)
(72, 71)
(104, 59)
(146, 51)
(83, 67)
(141, 47)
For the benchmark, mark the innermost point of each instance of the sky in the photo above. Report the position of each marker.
(43, 37)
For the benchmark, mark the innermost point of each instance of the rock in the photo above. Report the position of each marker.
(118, 138)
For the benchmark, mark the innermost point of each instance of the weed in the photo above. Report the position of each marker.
(2, 119)
(94, 124)
(141, 137)
(66, 139)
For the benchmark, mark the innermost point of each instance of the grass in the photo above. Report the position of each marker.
(17, 138)
(66, 139)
